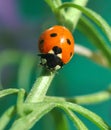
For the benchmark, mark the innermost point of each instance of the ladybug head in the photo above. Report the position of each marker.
(52, 59)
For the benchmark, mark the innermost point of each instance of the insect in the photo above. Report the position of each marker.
(56, 46)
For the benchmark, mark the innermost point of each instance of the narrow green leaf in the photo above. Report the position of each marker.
(93, 35)
(6, 117)
(8, 92)
(94, 118)
(77, 122)
(92, 15)
(28, 121)
(87, 114)
(84, 99)
(91, 98)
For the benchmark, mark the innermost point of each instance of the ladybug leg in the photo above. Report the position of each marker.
(43, 61)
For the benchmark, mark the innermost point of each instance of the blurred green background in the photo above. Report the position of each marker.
(21, 22)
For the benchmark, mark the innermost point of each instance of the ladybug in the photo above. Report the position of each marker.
(56, 46)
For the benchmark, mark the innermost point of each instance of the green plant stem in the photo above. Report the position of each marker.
(91, 98)
(78, 123)
(92, 15)
(20, 100)
(40, 86)
(85, 99)
(97, 39)
(8, 92)
(6, 117)
(67, 18)
(98, 121)
(73, 15)
(28, 121)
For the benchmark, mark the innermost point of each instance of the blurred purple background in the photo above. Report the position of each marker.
(19, 28)
(9, 14)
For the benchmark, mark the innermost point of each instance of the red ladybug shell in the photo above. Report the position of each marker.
(58, 36)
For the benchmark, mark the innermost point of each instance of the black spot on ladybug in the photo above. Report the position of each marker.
(57, 50)
(68, 41)
(53, 34)
(41, 41)
(70, 54)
